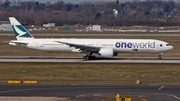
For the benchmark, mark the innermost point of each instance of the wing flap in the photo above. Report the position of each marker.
(80, 46)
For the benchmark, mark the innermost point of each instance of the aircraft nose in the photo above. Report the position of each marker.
(171, 47)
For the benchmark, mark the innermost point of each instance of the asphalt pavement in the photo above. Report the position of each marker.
(97, 60)
(82, 92)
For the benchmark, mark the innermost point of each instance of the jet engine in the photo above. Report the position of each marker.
(107, 52)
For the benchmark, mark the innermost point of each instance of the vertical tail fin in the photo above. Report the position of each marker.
(19, 31)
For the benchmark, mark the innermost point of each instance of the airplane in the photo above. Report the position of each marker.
(106, 48)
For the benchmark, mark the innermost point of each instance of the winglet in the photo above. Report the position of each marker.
(19, 31)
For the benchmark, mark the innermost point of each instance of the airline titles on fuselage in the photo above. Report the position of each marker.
(148, 44)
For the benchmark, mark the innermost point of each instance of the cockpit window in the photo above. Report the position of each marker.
(168, 44)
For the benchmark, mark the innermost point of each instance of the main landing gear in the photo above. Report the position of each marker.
(88, 56)
(160, 54)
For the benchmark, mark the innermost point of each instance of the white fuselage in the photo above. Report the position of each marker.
(118, 45)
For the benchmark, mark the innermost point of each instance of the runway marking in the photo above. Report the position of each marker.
(142, 94)
(80, 96)
(18, 90)
(173, 96)
(176, 97)
(161, 87)
(26, 89)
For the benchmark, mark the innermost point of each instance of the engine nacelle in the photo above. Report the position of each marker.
(107, 52)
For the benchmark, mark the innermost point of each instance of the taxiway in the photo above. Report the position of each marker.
(82, 92)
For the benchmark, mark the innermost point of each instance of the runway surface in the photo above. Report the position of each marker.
(94, 34)
(79, 59)
(81, 92)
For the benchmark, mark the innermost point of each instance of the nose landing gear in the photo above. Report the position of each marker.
(160, 54)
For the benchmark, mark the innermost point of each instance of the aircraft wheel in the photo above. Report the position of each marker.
(93, 57)
(86, 57)
(159, 58)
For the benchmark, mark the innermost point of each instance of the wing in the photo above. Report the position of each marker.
(81, 46)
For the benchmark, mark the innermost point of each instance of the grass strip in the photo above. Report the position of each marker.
(88, 73)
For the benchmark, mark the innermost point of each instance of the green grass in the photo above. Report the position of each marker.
(90, 73)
